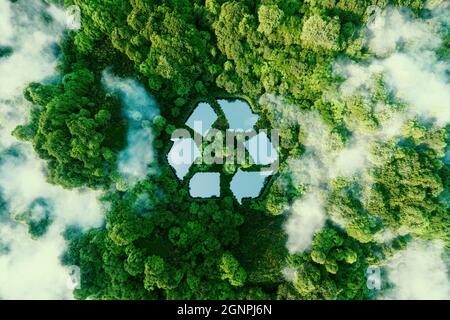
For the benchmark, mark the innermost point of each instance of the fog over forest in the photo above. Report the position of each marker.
(359, 93)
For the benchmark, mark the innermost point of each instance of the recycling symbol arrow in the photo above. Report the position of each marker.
(250, 153)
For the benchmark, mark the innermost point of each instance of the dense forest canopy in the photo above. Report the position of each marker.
(352, 190)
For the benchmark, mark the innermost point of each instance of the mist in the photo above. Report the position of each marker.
(404, 50)
(418, 273)
(31, 269)
(139, 109)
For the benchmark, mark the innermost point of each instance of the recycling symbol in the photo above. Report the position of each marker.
(224, 134)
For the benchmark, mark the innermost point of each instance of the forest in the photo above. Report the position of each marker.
(292, 60)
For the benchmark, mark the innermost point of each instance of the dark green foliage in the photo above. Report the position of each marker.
(158, 243)
(407, 189)
(78, 127)
(156, 254)
(37, 217)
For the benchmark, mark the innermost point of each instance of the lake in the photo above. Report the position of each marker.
(248, 184)
(182, 155)
(202, 119)
(239, 115)
(205, 185)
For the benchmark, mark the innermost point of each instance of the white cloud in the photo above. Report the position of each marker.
(5, 23)
(307, 217)
(31, 39)
(326, 157)
(139, 109)
(418, 273)
(23, 180)
(31, 269)
(393, 28)
(421, 81)
(290, 274)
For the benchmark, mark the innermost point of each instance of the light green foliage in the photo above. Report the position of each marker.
(269, 18)
(321, 33)
(73, 129)
(231, 270)
(171, 246)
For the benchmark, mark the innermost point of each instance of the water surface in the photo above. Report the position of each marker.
(205, 185)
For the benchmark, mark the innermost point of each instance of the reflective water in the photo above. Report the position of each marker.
(205, 185)
(238, 114)
(248, 184)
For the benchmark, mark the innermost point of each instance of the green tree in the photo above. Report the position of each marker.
(232, 271)
(319, 33)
